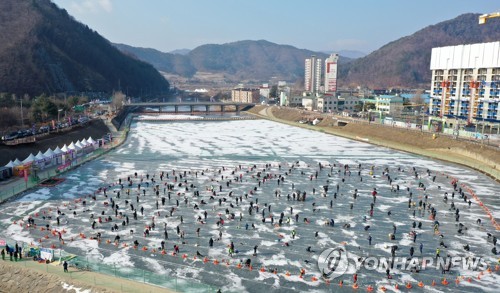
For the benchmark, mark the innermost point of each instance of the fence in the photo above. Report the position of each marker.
(34, 179)
(145, 276)
(474, 137)
(93, 272)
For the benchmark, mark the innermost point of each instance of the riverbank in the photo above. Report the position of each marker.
(480, 157)
(15, 186)
(30, 276)
(95, 129)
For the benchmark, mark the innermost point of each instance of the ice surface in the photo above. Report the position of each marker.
(218, 149)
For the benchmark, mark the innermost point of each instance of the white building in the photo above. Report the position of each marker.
(312, 76)
(331, 73)
(284, 99)
(389, 104)
(264, 92)
(309, 102)
(328, 103)
(466, 81)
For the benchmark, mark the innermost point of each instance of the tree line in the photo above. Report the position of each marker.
(18, 111)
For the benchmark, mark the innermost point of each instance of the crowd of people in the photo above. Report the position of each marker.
(200, 212)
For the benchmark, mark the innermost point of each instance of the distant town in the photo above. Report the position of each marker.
(463, 98)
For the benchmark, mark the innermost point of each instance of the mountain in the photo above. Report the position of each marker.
(405, 62)
(166, 62)
(180, 51)
(353, 54)
(237, 61)
(44, 50)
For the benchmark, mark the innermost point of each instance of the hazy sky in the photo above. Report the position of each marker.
(363, 25)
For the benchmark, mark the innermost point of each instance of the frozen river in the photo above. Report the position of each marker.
(226, 164)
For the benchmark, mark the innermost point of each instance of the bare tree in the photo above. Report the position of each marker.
(417, 99)
(9, 117)
(118, 100)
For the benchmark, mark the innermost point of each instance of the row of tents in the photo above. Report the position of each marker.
(57, 157)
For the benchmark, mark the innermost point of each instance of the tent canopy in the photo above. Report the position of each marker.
(39, 156)
(49, 153)
(29, 159)
(57, 151)
(64, 149)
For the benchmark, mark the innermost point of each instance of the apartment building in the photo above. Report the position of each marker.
(466, 81)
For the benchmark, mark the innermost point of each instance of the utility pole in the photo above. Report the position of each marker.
(423, 115)
(22, 115)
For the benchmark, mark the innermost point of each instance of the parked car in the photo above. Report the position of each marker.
(44, 129)
(11, 136)
(83, 120)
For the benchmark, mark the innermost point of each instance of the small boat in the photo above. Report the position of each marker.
(51, 182)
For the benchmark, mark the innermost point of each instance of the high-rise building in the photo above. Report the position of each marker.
(466, 81)
(312, 77)
(264, 92)
(331, 73)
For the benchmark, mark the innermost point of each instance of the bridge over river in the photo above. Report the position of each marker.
(179, 107)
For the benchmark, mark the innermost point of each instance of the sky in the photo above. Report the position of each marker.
(318, 25)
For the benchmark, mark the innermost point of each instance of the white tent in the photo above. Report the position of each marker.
(49, 154)
(50, 157)
(92, 142)
(58, 155)
(10, 164)
(67, 153)
(85, 146)
(57, 151)
(64, 149)
(74, 149)
(17, 162)
(78, 145)
(72, 146)
(40, 160)
(29, 159)
(39, 156)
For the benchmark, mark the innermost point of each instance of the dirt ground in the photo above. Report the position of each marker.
(29, 276)
(96, 129)
(475, 155)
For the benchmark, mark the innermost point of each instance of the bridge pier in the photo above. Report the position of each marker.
(168, 107)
